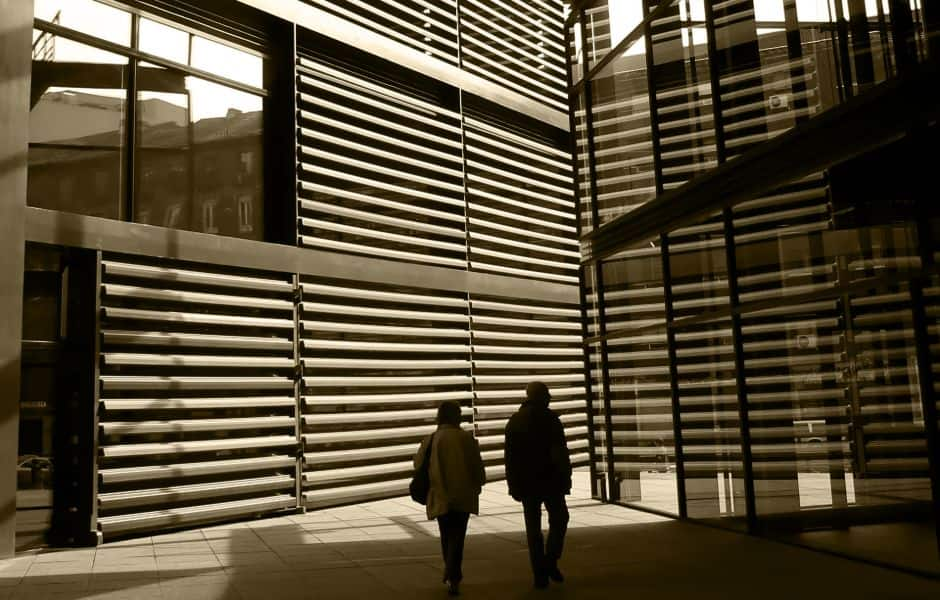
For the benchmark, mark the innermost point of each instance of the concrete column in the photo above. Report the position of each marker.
(15, 69)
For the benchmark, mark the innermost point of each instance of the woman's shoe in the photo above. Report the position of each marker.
(453, 589)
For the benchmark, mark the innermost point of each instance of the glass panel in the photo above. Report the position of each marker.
(199, 155)
(641, 396)
(607, 23)
(598, 397)
(708, 401)
(575, 50)
(227, 62)
(164, 41)
(683, 95)
(76, 128)
(793, 352)
(623, 139)
(94, 18)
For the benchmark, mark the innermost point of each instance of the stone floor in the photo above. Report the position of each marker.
(387, 550)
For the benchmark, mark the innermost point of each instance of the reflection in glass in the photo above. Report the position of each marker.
(76, 128)
(87, 16)
(163, 41)
(640, 391)
(199, 160)
(225, 61)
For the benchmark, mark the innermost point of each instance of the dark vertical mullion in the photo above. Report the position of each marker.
(902, 30)
(931, 19)
(673, 376)
(731, 270)
(126, 211)
(298, 395)
(925, 375)
(575, 20)
(842, 45)
(885, 41)
(795, 53)
(666, 269)
(613, 489)
(861, 43)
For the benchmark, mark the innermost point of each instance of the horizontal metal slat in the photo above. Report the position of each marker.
(363, 381)
(198, 403)
(126, 450)
(182, 493)
(192, 360)
(194, 425)
(193, 340)
(385, 363)
(143, 293)
(113, 268)
(193, 514)
(344, 400)
(391, 330)
(387, 313)
(198, 318)
(197, 469)
(315, 242)
(379, 234)
(373, 217)
(140, 382)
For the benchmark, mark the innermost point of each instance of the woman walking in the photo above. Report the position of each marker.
(456, 478)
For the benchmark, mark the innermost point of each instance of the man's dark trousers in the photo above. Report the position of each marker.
(544, 556)
(453, 526)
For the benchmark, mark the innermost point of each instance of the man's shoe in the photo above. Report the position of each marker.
(555, 574)
(453, 589)
(541, 582)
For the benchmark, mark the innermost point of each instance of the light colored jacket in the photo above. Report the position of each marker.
(456, 471)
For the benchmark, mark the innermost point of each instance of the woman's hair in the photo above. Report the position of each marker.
(448, 413)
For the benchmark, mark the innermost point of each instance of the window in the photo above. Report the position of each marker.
(244, 213)
(172, 215)
(208, 217)
(195, 106)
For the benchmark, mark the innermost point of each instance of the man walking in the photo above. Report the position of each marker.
(538, 472)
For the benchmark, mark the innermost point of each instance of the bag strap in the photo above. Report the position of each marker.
(427, 452)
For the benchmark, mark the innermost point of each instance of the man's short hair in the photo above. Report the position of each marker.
(448, 413)
(537, 392)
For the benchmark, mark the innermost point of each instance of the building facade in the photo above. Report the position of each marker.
(264, 239)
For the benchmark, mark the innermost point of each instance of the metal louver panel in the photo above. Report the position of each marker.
(515, 343)
(426, 25)
(197, 416)
(518, 45)
(377, 361)
(381, 170)
(522, 213)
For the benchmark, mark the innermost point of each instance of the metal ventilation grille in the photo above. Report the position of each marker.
(376, 363)
(197, 402)
(517, 44)
(426, 25)
(513, 344)
(522, 212)
(381, 169)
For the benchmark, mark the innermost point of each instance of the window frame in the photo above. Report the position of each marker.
(131, 174)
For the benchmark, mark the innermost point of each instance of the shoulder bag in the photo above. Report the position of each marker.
(421, 480)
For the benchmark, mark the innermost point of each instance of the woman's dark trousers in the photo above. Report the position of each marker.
(544, 554)
(453, 526)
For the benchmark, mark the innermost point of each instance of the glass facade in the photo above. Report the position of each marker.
(765, 366)
(192, 158)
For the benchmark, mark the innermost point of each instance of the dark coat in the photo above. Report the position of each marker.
(537, 462)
